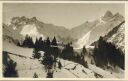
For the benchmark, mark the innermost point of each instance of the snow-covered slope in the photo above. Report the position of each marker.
(83, 40)
(32, 31)
(26, 67)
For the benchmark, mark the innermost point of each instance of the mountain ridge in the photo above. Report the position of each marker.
(105, 23)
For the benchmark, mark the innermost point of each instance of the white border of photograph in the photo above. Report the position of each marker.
(62, 79)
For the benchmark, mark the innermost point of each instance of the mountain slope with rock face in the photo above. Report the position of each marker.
(35, 28)
(82, 35)
(105, 25)
(10, 35)
(117, 36)
(81, 30)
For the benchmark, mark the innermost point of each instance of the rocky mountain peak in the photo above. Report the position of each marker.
(108, 15)
(23, 20)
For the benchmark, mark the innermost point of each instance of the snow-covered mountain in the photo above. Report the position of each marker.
(35, 28)
(84, 34)
(105, 24)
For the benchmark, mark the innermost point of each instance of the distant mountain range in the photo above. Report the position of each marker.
(81, 35)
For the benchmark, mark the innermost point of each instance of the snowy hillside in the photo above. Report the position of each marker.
(27, 66)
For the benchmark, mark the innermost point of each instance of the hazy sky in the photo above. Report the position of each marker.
(62, 14)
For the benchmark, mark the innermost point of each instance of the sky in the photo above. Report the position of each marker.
(68, 15)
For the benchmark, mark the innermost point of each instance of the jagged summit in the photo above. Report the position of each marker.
(23, 20)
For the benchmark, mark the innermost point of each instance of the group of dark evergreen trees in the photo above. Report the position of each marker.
(28, 42)
(10, 69)
(51, 52)
(107, 53)
(68, 53)
(51, 48)
(10, 66)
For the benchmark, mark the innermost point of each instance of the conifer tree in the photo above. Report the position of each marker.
(10, 70)
(28, 42)
(35, 75)
(48, 42)
(54, 42)
(36, 54)
(84, 51)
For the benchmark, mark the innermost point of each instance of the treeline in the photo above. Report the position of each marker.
(106, 53)
(28, 42)
(66, 52)
(53, 48)
(48, 46)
